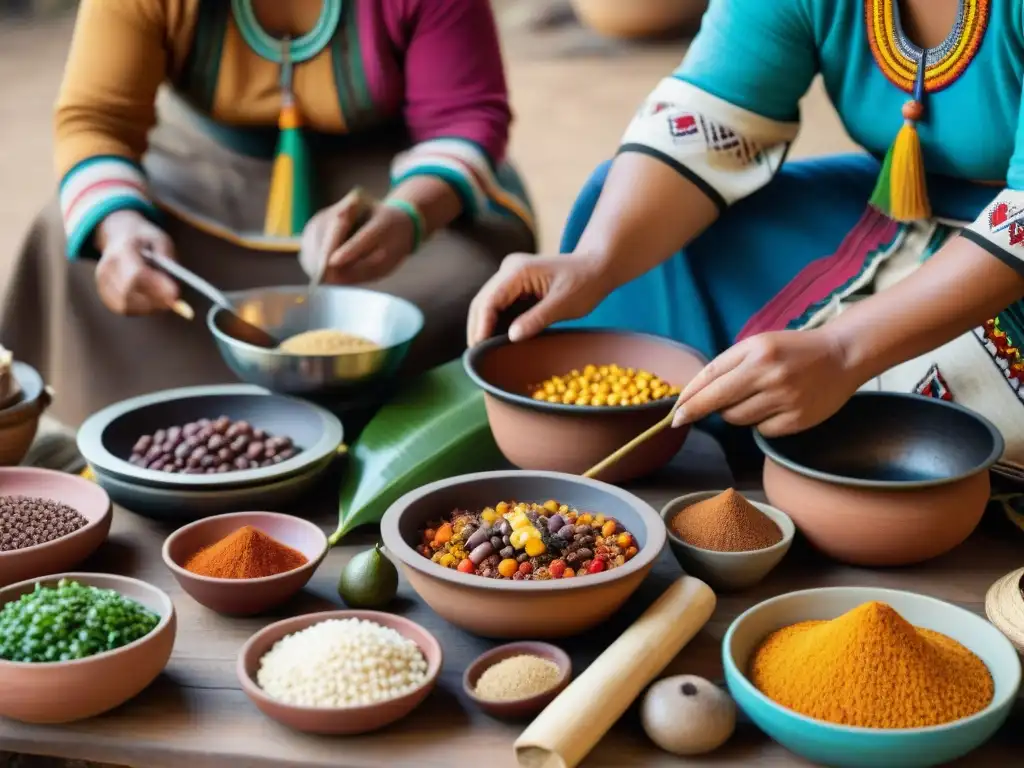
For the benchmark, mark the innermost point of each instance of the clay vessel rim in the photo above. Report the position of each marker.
(880, 594)
(472, 356)
(488, 659)
(90, 524)
(166, 612)
(180, 570)
(680, 503)
(410, 558)
(998, 446)
(434, 655)
(32, 400)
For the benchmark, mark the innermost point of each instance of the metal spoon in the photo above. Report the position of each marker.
(233, 324)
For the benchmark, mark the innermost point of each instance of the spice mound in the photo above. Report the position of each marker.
(873, 669)
(210, 446)
(326, 342)
(726, 523)
(342, 663)
(520, 541)
(517, 677)
(604, 385)
(248, 553)
(70, 621)
(26, 521)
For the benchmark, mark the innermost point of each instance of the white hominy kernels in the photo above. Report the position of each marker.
(341, 663)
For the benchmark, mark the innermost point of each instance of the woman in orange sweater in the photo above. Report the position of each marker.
(166, 128)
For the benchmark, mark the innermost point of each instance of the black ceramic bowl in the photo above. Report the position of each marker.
(106, 438)
(891, 479)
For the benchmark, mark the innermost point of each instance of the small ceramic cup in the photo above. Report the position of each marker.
(726, 571)
(517, 708)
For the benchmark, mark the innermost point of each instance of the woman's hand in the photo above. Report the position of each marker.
(127, 285)
(360, 239)
(568, 287)
(781, 382)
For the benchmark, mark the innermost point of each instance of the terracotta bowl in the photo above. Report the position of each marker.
(892, 479)
(65, 553)
(244, 597)
(520, 609)
(64, 691)
(534, 434)
(519, 708)
(639, 18)
(19, 422)
(337, 720)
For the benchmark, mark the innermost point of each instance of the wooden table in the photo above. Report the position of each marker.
(195, 715)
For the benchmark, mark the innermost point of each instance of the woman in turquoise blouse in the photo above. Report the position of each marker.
(770, 248)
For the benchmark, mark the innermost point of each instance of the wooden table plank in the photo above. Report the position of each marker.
(196, 715)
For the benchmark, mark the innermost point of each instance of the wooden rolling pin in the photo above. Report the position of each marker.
(571, 725)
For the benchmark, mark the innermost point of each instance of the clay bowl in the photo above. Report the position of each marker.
(106, 438)
(64, 553)
(535, 434)
(639, 18)
(244, 597)
(842, 746)
(520, 609)
(891, 479)
(518, 708)
(20, 422)
(724, 571)
(336, 721)
(65, 691)
(181, 506)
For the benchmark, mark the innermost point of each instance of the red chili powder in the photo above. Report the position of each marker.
(248, 553)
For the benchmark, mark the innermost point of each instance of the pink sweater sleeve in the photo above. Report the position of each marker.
(454, 75)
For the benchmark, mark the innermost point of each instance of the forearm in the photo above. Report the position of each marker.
(434, 198)
(959, 288)
(647, 212)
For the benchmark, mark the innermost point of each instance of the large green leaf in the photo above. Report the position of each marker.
(434, 427)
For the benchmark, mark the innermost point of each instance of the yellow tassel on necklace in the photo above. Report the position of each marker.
(901, 191)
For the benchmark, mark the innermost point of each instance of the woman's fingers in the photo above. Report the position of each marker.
(754, 410)
(724, 364)
(497, 295)
(341, 249)
(373, 267)
(785, 423)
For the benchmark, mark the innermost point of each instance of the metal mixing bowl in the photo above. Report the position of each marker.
(389, 321)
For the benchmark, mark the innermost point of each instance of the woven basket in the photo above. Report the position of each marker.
(1004, 606)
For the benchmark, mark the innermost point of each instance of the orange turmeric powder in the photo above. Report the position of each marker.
(871, 668)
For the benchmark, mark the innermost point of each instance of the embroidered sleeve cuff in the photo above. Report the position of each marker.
(727, 151)
(94, 189)
(1000, 229)
(484, 190)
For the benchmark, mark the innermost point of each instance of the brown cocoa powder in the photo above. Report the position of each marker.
(726, 523)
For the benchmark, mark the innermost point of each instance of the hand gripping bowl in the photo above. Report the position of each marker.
(891, 479)
(65, 691)
(520, 609)
(535, 434)
(391, 322)
(848, 747)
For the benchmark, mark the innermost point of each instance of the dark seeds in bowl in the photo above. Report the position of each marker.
(210, 446)
(26, 521)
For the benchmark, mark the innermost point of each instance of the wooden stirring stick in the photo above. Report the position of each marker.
(643, 437)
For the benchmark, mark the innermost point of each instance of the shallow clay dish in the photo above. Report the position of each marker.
(519, 708)
(106, 438)
(850, 747)
(520, 609)
(19, 421)
(534, 434)
(64, 691)
(891, 479)
(727, 570)
(336, 720)
(244, 597)
(64, 553)
(182, 506)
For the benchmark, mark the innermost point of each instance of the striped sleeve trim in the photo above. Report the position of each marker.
(1000, 228)
(731, 150)
(94, 189)
(484, 190)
